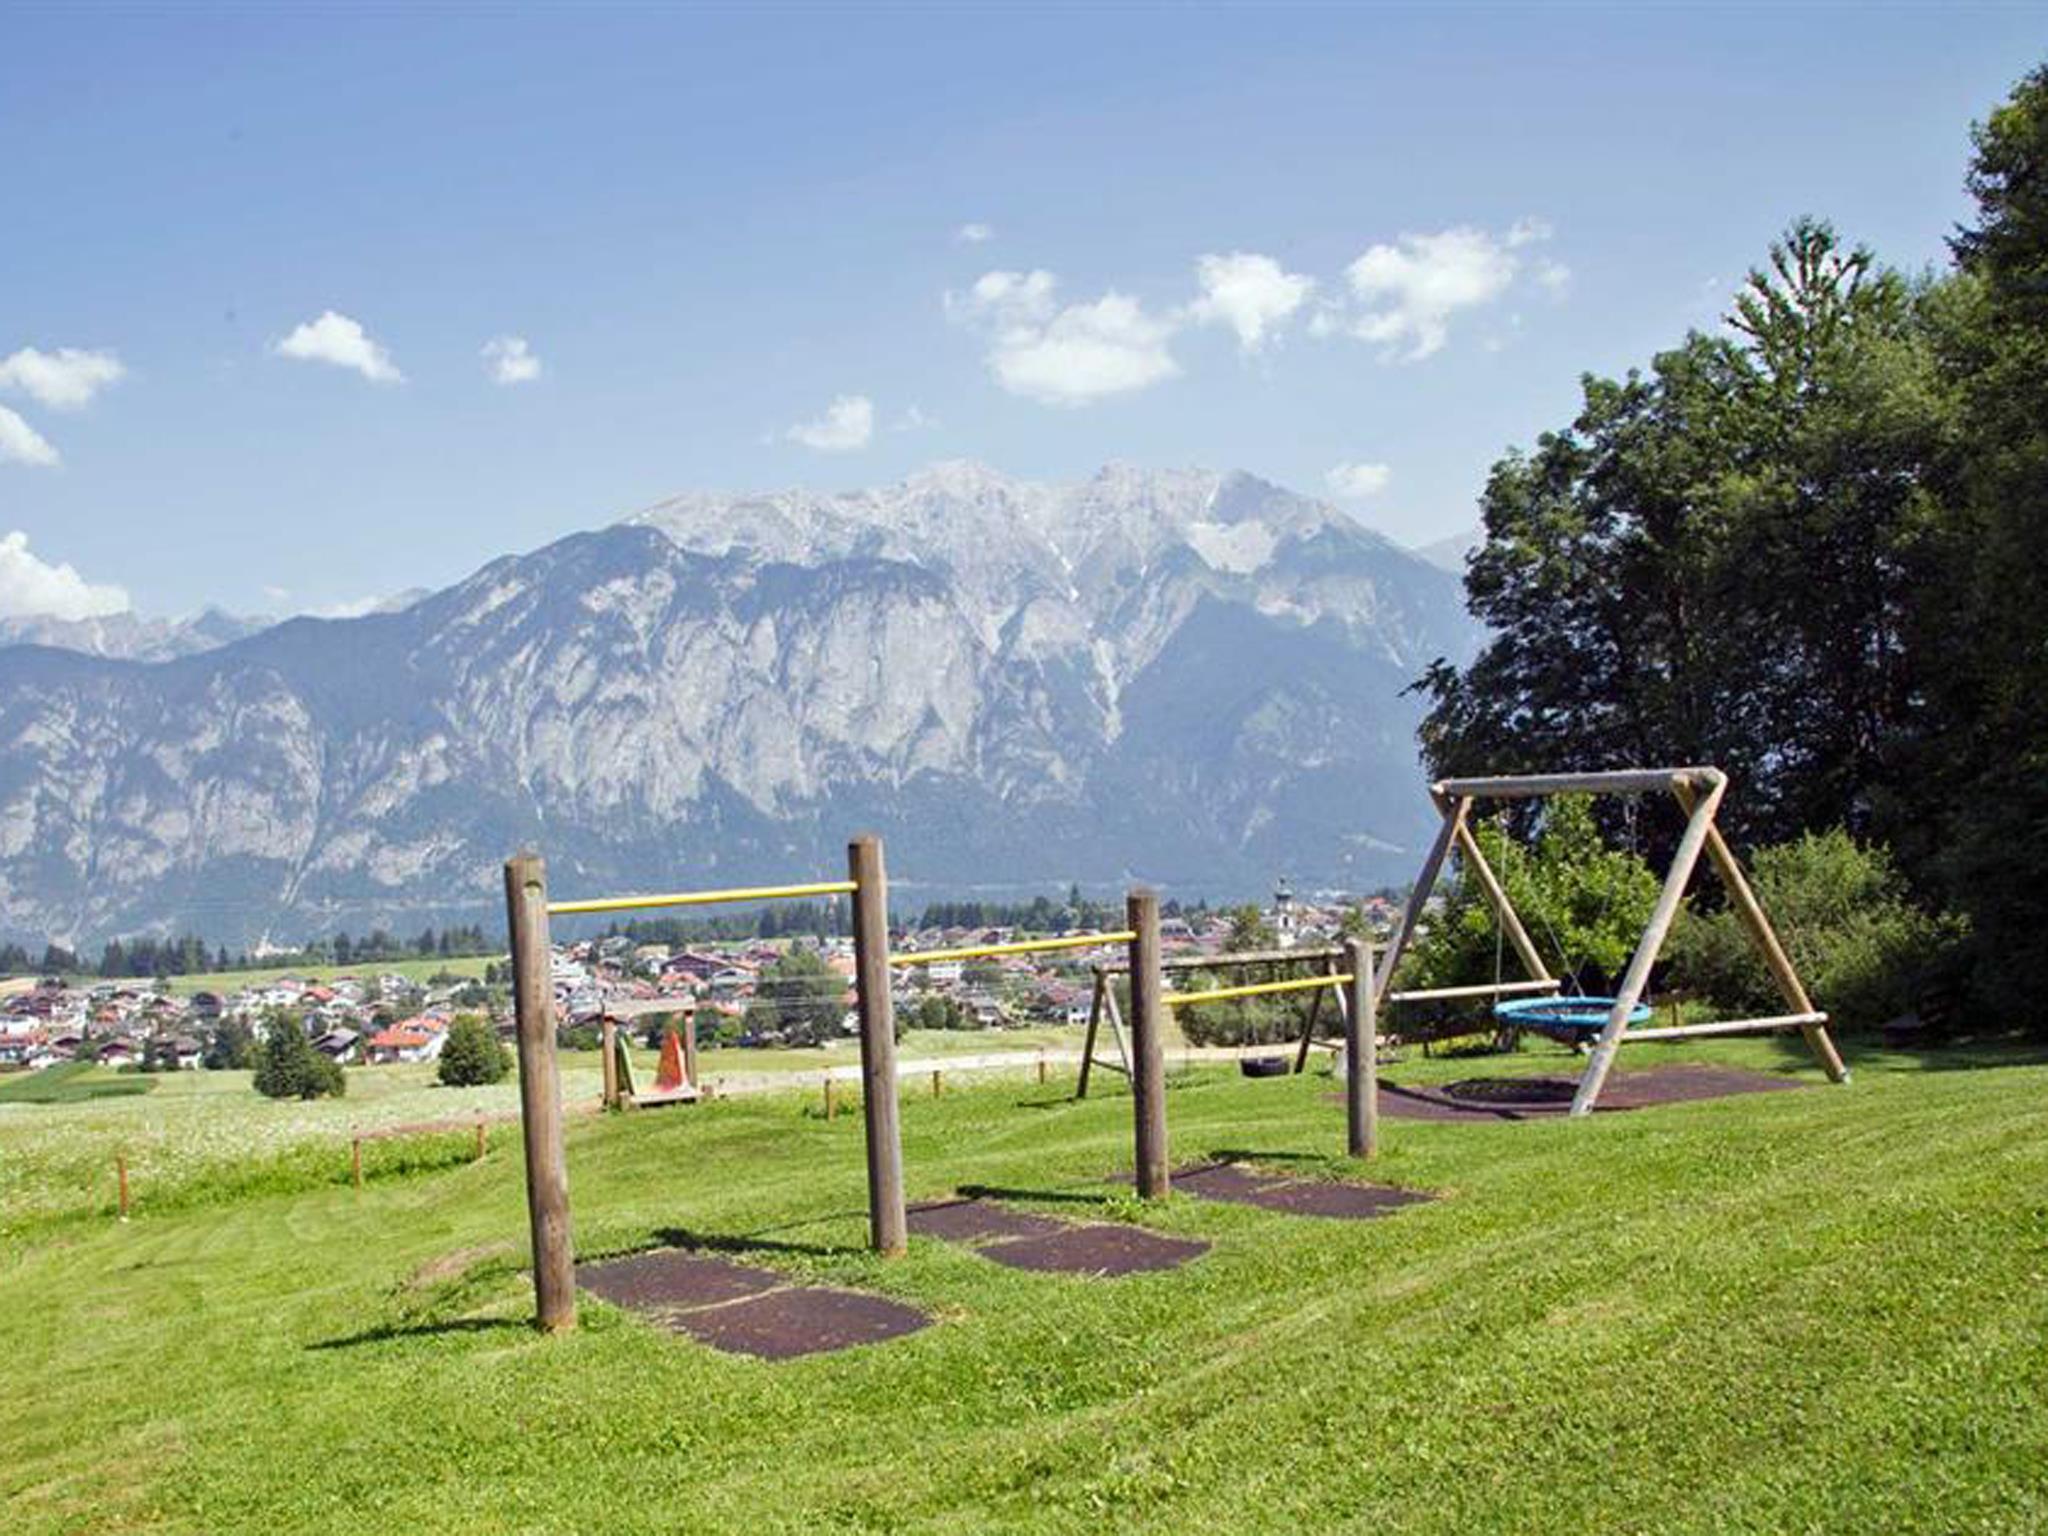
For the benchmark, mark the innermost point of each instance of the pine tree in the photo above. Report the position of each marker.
(473, 1055)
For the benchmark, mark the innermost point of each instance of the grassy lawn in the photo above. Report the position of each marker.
(71, 1082)
(1807, 1311)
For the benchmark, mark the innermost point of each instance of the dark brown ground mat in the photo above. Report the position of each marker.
(1099, 1248)
(1528, 1098)
(973, 1221)
(801, 1320)
(742, 1308)
(673, 1278)
(1298, 1197)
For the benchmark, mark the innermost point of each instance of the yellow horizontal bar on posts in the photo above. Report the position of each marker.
(1254, 989)
(1018, 947)
(703, 898)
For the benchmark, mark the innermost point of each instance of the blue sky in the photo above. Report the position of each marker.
(253, 258)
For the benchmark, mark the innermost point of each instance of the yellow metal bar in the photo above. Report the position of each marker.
(1253, 989)
(1019, 947)
(702, 898)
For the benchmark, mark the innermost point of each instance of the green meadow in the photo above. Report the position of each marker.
(1820, 1310)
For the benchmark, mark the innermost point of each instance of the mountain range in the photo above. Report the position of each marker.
(1187, 677)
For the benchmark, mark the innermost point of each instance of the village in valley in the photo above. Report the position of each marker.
(739, 993)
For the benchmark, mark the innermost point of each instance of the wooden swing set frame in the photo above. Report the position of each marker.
(1699, 792)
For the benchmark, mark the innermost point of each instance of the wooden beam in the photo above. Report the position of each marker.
(1454, 814)
(888, 1221)
(1361, 1055)
(1637, 977)
(1623, 781)
(1761, 934)
(1728, 1027)
(1477, 989)
(540, 1095)
(1148, 1021)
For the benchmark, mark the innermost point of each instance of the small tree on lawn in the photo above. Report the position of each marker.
(287, 1066)
(474, 1054)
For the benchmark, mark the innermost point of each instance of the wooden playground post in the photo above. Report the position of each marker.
(540, 1095)
(690, 1046)
(1148, 1061)
(1637, 977)
(889, 1223)
(611, 1062)
(1361, 1054)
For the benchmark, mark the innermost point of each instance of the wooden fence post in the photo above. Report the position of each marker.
(831, 1099)
(1148, 1061)
(540, 1095)
(937, 1082)
(610, 1047)
(1361, 1053)
(121, 1179)
(888, 1223)
(482, 1144)
(355, 1159)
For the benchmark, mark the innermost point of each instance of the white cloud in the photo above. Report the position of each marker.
(509, 360)
(915, 418)
(1355, 482)
(21, 443)
(335, 338)
(974, 234)
(1413, 287)
(1251, 294)
(1065, 356)
(848, 423)
(1009, 298)
(32, 587)
(64, 379)
(1554, 278)
(1528, 231)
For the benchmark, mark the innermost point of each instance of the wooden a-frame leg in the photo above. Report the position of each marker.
(1308, 1027)
(1088, 1044)
(1503, 909)
(1637, 977)
(1454, 814)
(1765, 937)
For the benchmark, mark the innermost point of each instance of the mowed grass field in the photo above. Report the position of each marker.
(1824, 1310)
(199, 1137)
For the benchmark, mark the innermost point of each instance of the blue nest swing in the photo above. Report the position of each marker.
(1570, 1018)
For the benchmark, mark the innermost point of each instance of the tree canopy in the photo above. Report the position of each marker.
(1811, 547)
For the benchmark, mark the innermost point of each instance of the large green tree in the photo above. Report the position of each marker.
(1987, 749)
(1715, 562)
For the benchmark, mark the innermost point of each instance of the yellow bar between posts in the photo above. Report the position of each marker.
(1017, 947)
(702, 898)
(1254, 989)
